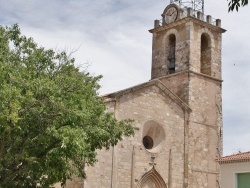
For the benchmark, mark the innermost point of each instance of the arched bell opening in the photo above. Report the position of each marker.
(205, 54)
(171, 53)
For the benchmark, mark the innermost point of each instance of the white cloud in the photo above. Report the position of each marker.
(112, 35)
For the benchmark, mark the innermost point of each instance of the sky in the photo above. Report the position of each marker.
(111, 38)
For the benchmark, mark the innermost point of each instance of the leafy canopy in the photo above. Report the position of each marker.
(51, 117)
(236, 4)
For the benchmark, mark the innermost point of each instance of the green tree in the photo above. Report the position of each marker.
(236, 4)
(52, 120)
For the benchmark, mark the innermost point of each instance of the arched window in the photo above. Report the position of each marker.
(171, 56)
(152, 179)
(205, 54)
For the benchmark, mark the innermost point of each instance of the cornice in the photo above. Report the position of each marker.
(184, 21)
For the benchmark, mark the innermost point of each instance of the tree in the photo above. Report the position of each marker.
(52, 120)
(236, 4)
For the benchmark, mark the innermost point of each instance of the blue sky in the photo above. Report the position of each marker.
(112, 37)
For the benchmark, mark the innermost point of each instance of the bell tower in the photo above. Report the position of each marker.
(186, 57)
(186, 40)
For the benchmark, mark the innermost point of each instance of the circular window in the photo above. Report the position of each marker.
(148, 142)
(153, 136)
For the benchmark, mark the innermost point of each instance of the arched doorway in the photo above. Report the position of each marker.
(152, 179)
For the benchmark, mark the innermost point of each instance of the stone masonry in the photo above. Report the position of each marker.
(178, 114)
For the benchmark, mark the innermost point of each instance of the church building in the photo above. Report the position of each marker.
(178, 112)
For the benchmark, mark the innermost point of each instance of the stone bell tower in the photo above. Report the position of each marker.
(178, 112)
(186, 56)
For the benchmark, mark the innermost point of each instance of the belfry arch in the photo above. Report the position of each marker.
(151, 179)
(171, 53)
(169, 46)
(206, 53)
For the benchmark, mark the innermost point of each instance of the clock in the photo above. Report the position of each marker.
(171, 14)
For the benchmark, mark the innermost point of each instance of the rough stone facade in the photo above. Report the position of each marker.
(178, 114)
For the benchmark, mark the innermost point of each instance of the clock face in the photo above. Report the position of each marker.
(171, 15)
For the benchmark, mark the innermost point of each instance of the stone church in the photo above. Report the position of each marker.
(178, 112)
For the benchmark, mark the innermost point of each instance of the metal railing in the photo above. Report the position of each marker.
(196, 5)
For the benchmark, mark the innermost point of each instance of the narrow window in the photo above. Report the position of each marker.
(171, 57)
(205, 55)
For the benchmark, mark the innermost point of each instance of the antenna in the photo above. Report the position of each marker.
(196, 5)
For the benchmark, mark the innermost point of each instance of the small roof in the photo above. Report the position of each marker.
(239, 157)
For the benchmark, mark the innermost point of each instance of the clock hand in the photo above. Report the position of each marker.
(172, 13)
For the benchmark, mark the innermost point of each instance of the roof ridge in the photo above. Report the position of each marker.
(238, 157)
(241, 153)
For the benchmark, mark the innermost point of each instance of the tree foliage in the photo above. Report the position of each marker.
(51, 117)
(236, 4)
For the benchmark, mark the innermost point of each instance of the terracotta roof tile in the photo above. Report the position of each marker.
(239, 157)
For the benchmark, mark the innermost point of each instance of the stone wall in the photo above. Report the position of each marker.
(130, 158)
(180, 113)
(188, 32)
(205, 137)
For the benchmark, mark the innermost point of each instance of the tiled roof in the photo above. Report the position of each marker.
(239, 157)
